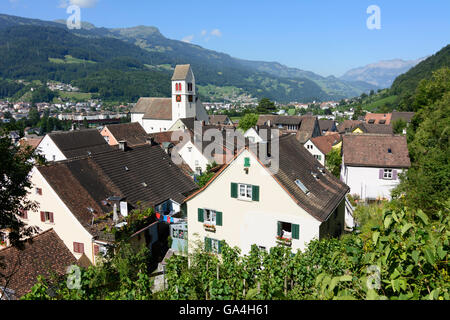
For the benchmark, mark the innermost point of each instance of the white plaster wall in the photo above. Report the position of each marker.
(68, 228)
(365, 182)
(191, 156)
(151, 125)
(137, 117)
(315, 151)
(249, 222)
(49, 149)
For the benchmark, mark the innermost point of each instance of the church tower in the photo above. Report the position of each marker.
(183, 93)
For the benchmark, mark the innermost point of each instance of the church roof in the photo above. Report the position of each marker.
(181, 72)
(154, 108)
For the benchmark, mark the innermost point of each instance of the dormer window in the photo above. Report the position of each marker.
(189, 86)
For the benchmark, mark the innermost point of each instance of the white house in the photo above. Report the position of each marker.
(65, 145)
(319, 147)
(371, 164)
(159, 114)
(248, 202)
(79, 197)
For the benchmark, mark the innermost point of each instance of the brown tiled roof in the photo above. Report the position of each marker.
(32, 142)
(154, 108)
(81, 184)
(326, 125)
(375, 128)
(127, 131)
(407, 116)
(146, 164)
(372, 150)
(348, 125)
(377, 117)
(264, 118)
(325, 143)
(325, 194)
(80, 142)
(306, 130)
(288, 120)
(85, 184)
(219, 119)
(181, 72)
(45, 255)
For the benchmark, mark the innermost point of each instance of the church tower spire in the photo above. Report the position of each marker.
(183, 92)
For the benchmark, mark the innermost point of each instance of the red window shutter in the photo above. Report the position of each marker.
(75, 247)
(96, 249)
(51, 217)
(42, 216)
(180, 87)
(81, 247)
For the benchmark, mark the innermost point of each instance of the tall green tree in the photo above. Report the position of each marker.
(248, 121)
(426, 183)
(15, 181)
(265, 105)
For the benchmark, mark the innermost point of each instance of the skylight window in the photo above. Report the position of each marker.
(301, 186)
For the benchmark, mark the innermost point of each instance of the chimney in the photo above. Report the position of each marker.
(115, 215)
(150, 141)
(123, 145)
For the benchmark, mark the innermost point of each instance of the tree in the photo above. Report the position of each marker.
(425, 184)
(14, 184)
(266, 106)
(333, 161)
(248, 121)
(359, 112)
(398, 126)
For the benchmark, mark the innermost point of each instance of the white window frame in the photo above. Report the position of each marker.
(209, 217)
(245, 191)
(388, 174)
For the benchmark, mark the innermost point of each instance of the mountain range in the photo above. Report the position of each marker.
(125, 63)
(381, 74)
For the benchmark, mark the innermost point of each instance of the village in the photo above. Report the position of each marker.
(269, 185)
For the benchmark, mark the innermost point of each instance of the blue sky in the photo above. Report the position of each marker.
(328, 37)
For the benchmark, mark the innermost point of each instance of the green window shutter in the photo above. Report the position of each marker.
(234, 190)
(207, 244)
(218, 218)
(246, 162)
(295, 231)
(200, 215)
(279, 229)
(220, 247)
(255, 193)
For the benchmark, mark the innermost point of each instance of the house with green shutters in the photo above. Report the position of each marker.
(251, 201)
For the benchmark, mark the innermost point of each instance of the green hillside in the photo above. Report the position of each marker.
(144, 54)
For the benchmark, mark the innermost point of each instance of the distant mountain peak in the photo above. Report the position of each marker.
(381, 73)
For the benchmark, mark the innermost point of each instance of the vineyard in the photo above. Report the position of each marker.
(404, 257)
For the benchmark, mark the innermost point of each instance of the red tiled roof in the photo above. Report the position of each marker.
(377, 117)
(325, 143)
(46, 254)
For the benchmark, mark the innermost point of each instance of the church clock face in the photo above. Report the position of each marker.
(178, 98)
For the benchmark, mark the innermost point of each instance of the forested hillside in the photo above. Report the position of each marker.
(36, 49)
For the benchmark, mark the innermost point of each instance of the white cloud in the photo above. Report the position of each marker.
(204, 32)
(188, 39)
(216, 32)
(80, 3)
